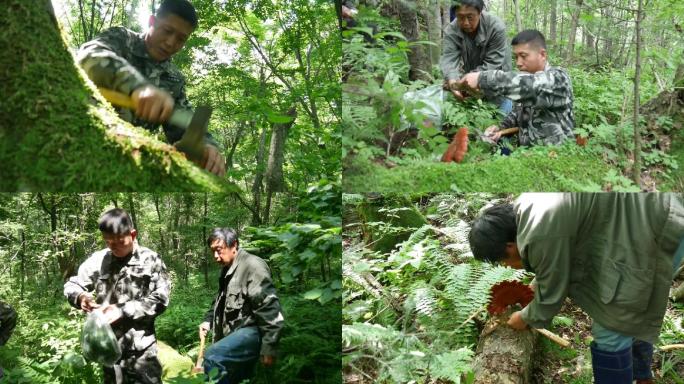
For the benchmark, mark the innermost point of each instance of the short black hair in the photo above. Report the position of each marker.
(531, 36)
(477, 4)
(115, 222)
(228, 235)
(491, 231)
(180, 8)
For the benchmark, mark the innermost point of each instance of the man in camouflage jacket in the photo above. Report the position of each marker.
(8, 320)
(245, 317)
(131, 289)
(138, 64)
(543, 94)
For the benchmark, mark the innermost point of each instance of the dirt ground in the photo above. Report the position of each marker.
(555, 364)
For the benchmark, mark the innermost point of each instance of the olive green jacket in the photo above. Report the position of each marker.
(611, 253)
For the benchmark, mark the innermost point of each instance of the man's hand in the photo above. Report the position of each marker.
(204, 328)
(471, 80)
(267, 360)
(452, 85)
(348, 13)
(493, 132)
(87, 302)
(213, 161)
(516, 321)
(152, 104)
(112, 313)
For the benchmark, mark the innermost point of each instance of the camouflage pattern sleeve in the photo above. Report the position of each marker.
(157, 298)
(547, 89)
(511, 120)
(266, 307)
(102, 60)
(83, 281)
(451, 61)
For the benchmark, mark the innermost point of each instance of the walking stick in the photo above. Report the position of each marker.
(200, 357)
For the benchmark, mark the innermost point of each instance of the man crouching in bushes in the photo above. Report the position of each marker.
(245, 316)
(613, 254)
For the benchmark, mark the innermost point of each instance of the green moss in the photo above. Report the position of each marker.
(566, 168)
(53, 139)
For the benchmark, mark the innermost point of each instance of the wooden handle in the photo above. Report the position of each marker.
(553, 337)
(670, 347)
(117, 98)
(509, 131)
(200, 356)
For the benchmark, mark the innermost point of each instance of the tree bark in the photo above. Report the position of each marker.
(55, 138)
(553, 23)
(518, 20)
(504, 355)
(433, 18)
(418, 58)
(637, 78)
(573, 29)
(276, 155)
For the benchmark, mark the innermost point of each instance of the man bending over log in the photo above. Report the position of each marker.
(613, 254)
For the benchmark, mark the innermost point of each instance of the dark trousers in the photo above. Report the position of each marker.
(135, 367)
(8, 320)
(234, 355)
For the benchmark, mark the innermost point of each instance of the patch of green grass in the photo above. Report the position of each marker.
(565, 168)
(676, 180)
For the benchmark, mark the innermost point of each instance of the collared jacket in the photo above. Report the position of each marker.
(247, 298)
(138, 284)
(543, 108)
(117, 59)
(489, 50)
(611, 253)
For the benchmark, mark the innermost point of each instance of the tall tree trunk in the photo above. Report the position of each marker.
(637, 78)
(134, 216)
(418, 59)
(23, 263)
(162, 242)
(276, 156)
(205, 235)
(573, 29)
(62, 124)
(518, 20)
(257, 186)
(553, 23)
(445, 18)
(432, 17)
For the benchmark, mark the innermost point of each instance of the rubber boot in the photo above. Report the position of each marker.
(612, 367)
(642, 357)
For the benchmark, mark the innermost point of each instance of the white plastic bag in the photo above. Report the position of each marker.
(431, 99)
(98, 341)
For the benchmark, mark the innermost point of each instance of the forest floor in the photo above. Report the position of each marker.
(555, 364)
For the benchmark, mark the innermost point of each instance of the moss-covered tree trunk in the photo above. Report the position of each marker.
(55, 136)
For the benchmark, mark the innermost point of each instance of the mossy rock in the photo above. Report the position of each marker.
(564, 168)
(173, 363)
(54, 138)
(407, 217)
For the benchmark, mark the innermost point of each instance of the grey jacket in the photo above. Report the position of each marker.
(247, 298)
(611, 253)
(489, 50)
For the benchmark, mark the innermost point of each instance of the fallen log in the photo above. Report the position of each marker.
(503, 354)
